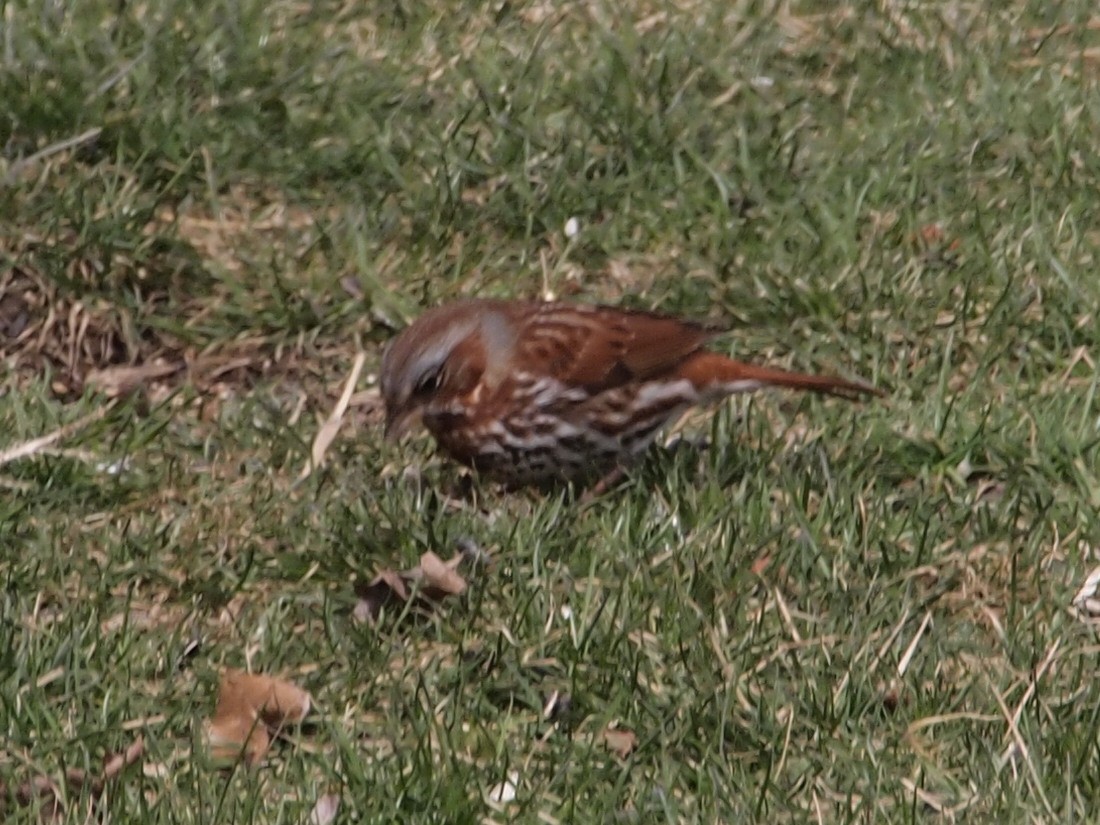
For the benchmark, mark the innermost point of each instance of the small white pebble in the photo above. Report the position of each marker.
(762, 82)
(113, 468)
(505, 791)
(572, 228)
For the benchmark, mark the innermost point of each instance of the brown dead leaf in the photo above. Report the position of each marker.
(237, 735)
(761, 563)
(252, 706)
(430, 581)
(439, 578)
(279, 702)
(620, 741)
(386, 587)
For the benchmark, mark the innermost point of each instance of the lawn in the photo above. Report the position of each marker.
(794, 609)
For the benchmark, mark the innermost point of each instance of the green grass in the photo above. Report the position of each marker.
(833, 613)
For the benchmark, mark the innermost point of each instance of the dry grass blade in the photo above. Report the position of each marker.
(907, 657)
(877, 656)
(1012, 718)
(36, 445)
(17, 168)
(120, 380)
(331, 427)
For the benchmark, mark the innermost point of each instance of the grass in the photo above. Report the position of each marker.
(831, 613)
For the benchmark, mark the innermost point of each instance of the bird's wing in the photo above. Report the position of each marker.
(598, 347)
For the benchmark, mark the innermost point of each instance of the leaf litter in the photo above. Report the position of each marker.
(422, 586)
(620, 741)
(251, 709)
(48, 793)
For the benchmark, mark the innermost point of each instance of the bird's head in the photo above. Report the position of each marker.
(439, 357)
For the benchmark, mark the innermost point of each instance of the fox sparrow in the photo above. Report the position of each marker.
(528, 392)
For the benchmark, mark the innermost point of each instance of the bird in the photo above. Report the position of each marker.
(534, 393)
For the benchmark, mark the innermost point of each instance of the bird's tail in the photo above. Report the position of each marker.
(716, 375)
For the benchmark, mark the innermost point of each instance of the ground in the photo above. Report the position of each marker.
(799, 609)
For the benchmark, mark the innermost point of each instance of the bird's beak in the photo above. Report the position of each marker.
(399, 423)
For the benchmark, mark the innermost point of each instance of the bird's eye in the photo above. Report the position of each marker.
(429, 383)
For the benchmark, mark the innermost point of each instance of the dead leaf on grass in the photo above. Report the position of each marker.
(251, 707)
(324, 812)
(387, 586)
(429, 582)
(438, 578)
(620, 741)
(48, 793)
(761, 563)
